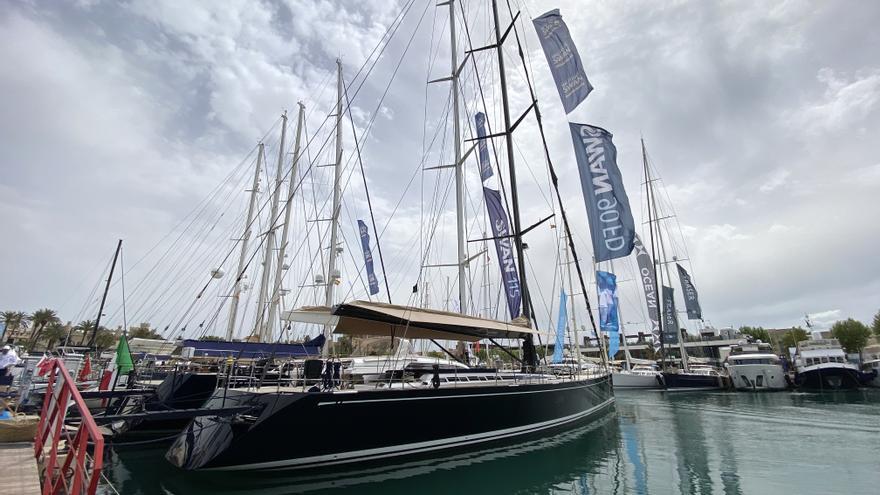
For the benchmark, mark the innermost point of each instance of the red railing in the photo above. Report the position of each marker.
(64, 451)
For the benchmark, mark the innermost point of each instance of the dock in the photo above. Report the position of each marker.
(19, 468)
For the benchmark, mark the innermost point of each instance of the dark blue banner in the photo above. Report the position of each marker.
(562, 55)
(504, 249)
(691, 299)
(671, 333)
(368, 257)
(482, 146)
(609, 320)
(611, 221)
(649, 284)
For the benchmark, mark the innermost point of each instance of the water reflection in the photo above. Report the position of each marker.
(693, 443)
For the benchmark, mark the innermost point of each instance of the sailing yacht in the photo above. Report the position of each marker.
(305, 425)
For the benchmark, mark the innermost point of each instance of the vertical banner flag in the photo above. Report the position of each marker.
(671, 332)
(560, 328)
(562, 55)
(504, 249)
(483, 147)
(609, 321)
(649, 284)
(611, 222)
(368, 257)
(691, 299)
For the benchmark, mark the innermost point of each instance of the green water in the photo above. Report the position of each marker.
(687, 443)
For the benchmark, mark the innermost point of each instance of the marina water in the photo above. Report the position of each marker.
(653, 442)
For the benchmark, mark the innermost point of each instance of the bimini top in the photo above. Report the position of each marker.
(374, 318)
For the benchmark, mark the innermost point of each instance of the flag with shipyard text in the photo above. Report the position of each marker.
(691, 299)
(368, 258)
(562, 55)
(504, 249)
(611, 223)
(483, 146)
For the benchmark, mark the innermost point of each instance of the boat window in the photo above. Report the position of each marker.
(824, 359)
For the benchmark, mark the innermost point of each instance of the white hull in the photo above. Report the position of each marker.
(623, 379)
(758, 377)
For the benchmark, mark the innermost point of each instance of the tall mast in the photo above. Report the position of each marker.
(334, 218)
(261, 328)
(529, 355)
(291, 185)
(574, 328)
(245, 239)
(104, 297)
(459, 172)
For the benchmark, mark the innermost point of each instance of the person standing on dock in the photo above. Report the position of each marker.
(8, 359)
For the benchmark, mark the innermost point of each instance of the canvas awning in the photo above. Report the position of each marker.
(380, 319)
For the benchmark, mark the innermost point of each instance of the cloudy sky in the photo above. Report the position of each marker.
(761, 118)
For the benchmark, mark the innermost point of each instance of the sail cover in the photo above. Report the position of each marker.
(381, 319)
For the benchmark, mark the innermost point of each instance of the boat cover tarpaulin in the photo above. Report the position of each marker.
(380, 319)
(249, 350)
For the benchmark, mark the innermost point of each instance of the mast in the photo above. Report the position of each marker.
(529, 354)
(574, 328)
(459, 172)
(334, 217)
(104, 297)
(245, 239)
(291, 185)
(261, 328)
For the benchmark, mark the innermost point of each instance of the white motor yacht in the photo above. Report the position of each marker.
(873, 366)
(755, 367)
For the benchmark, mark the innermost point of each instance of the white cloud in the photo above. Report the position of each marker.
(846, 101)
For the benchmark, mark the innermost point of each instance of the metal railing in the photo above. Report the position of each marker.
(71, 457)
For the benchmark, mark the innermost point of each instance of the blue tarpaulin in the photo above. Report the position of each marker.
(255, 349)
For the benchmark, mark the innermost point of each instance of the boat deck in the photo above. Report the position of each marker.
(19, 468)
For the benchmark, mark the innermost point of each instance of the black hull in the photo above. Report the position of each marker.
(687, 381)
(296, 430)
(837, 378)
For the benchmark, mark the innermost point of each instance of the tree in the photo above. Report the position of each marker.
(54, 332)
(211, 338)
(104, 339)
(84, 327)
(143, 332)
(756, 333)
(876, 324)
(41, 319)
(14, 321)
(853, 335)
(792, 337)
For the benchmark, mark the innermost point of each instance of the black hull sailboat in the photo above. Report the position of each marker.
(691, 381)
(290, 430)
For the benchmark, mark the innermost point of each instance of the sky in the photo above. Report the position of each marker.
(761, 119)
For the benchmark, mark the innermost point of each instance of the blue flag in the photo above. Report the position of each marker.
(485, 164)
(562, 55)
(368, 257)
(560, 327)
(504, 249)
(608, 319)
(611, 223)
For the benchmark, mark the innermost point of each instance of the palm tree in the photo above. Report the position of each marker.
(41, 319)
(85, 327)
(14, 320)
(54, 332)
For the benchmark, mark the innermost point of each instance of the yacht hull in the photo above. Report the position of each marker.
(303, 430)
(757, 377)
(691, 382)
(828, 378)
(630, 380)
